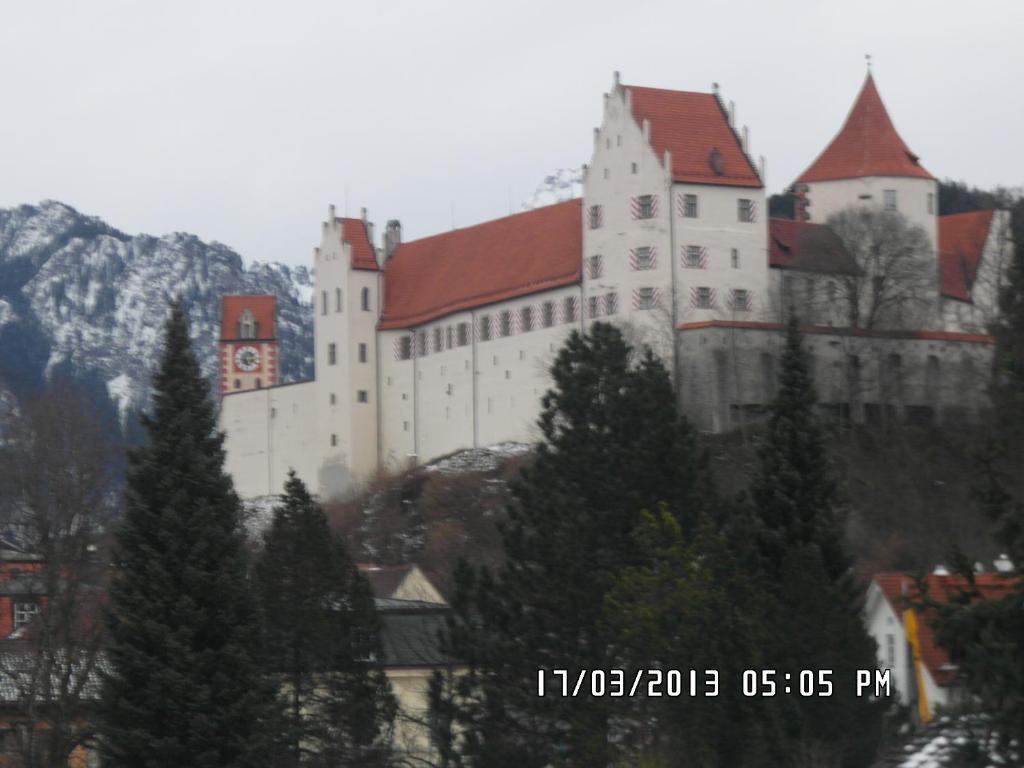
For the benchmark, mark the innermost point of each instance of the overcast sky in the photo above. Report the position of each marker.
(241, 121)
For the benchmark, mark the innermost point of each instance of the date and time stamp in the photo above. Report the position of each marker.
(706, 683)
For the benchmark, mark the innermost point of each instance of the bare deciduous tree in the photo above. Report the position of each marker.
(56, 495)
(894, 285)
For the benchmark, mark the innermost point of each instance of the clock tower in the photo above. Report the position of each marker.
(248, 343)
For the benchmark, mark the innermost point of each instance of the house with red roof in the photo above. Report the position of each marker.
(437, 344)
(923, 675)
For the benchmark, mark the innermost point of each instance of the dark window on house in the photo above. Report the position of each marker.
(366, 299)
(570, 309)
(463, 334)
(690, 206)
(238, 384)
(595, 267)
(547, 314)
(334, 440)
(611, 303)
(405, 348)
(694, 256)
(592, 306)
(745, 210)
(644, 258)
(526, 319)
(595, 216)
(259, 383)
(740, 299)
(485, 328)
(505, 323)
(702, 297)
(337, 299)
(323, 302)
(24, 612)
(735, 258)
(421, 343)
(646, 298)
(438, 339)
(449, 337)
(645, 207)
(362, 396)
(248, 328)
(332, 354)
(362, 353)
(889, 199)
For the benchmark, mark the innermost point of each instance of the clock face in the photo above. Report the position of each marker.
(247, 358)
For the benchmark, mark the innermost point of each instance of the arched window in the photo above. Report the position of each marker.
(248, 328)
(337, 299)
(366, 299)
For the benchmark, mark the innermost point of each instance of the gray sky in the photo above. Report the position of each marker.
(241, 121)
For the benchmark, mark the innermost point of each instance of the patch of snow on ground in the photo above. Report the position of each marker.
(478, 459)
(257, 514)
(941, 743)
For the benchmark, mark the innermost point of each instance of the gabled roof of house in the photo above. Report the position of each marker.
(900, 587)
(803, 245)
(498, 260)
(962, 238)
(263, 309)
(866, 145)
(692, 126)
(353, 232)
(384, 580)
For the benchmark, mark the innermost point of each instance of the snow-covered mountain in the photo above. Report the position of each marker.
(80, 297)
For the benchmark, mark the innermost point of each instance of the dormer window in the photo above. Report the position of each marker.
(716, 163)
(248, 327)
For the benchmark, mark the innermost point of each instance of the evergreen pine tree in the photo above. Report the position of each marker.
(321, 638)
(186, 685)
(613, 444)
(804, 565)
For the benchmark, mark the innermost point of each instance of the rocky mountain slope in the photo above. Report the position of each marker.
(80, 298)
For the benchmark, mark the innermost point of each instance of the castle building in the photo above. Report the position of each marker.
(443, 343)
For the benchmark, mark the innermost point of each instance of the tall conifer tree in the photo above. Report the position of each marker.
(805, 568)
(612, 445)
(322, 642)
(186, 686)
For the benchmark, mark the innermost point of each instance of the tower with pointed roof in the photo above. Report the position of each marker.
(248, 343)
(868, 163)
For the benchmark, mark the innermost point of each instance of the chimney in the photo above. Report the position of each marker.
(732, 114)
(369, 231)
(392, 237)
(746, 139)
(330, 213)
(615, 77)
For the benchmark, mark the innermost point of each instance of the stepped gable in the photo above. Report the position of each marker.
(962, 238)
(495, 261)
(263, 309)
(692, 126)
(353, 232)
(898, 588)
(803, 245)
(866, 145)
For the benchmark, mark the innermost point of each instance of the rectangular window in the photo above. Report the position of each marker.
(323, 302)
(595, 216)
(746, 210)
(570, 309)
(690, 206)
(889, 199)
(735, 256)
(334, 440)
(362, 396)
(547, 314)
(645, 207)
(405, 347)
(505, 323)
(332, 354)
(703, 298)
(24, 613)
(740, 299)
(595, 267)
(334, 398)
(421, 343)
(611, 303)
(931, 202)
(526, 319)
(592, 307)
(362, 353)
(633, 166)
(462, 334)
(485, 328)
(694, 257)
(645, 298)
(449, 336)
(643, 258)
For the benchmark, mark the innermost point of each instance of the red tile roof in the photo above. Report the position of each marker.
(962, 238)
(264, 308)
(498, 260)
(898, 587)
(803, 245)
(353, 232)
(691, 126)
(867, 145)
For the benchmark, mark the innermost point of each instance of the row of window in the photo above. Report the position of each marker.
(332, 353)
(364, 301)
(646, 207)
(646, 257)
(504, 323)
(701, 297)
(889, 201)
